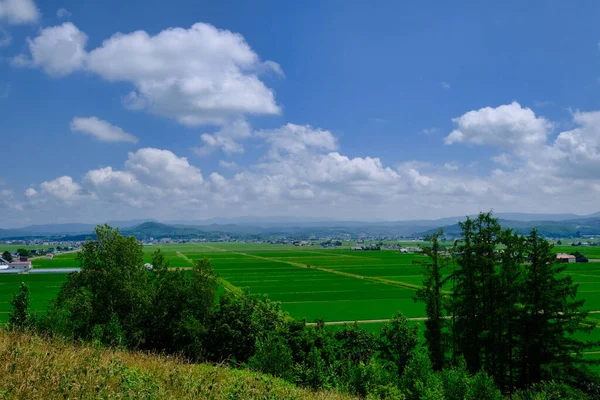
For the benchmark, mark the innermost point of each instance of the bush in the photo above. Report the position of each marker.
(239, 322)
(481, 387)
(371, 379)
(273, 356)
(19, 317)
(397, 342)
(550, 391)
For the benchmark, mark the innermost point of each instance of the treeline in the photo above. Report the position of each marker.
(499, 322)
(509, 310)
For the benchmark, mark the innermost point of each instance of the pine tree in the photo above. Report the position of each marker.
(508, 309)
(432, 295)
(550, 317)
(473, 302)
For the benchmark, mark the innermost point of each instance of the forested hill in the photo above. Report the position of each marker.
(263, 229)
(569, 228)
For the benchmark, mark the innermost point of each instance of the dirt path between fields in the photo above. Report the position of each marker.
(331, 271)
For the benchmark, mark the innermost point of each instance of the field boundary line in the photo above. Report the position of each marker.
(375, 321)
(365, 321)
(347, 274)
(226, 284)
(338, 255)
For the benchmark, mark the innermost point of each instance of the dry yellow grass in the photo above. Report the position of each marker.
(32, 367)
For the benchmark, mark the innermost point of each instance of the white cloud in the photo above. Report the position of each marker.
(63, 13)
(452, 166)
(227, 164)
(226, 139)
(292, 139)
(30, 192)
(445, 85)
(59, 50)
(19, 11)
(8, 202)
(101, 130)
(163, 166)
(577, 152)
(200, 75)
(505, 126)
(63, 188)
(502, 159)
(302, 172)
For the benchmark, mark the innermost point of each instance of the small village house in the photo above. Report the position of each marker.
(566, 258)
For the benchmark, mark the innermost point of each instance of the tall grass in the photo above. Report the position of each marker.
(32, 367)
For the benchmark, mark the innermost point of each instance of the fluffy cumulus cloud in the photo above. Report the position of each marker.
(504, 126)
(533, 168)
(293, 139)
(63, 188)
(226, 139)
(19, 11)
(577, 151)
(59, 50)
(525, 147)
(163, 167)
(101, 130)
(200, 75)
(304, 172)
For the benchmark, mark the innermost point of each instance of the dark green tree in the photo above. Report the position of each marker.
(159, 263)
(113, 288)
(239, 321)
(18, 316)
(356, 345)
(397, 342)
(432, 295)
(551, 316)
(23, 252)
(473, 301)
(508, 307)
(7, 256)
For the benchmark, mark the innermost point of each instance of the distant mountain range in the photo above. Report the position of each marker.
(554, 225)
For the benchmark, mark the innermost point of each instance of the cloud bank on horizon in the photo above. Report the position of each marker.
(211, 82)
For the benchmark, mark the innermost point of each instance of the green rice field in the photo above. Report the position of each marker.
(309, 282)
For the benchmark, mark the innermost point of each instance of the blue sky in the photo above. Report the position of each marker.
(391, 110)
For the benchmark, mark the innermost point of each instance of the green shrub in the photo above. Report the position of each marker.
(272, 356)
(550, 391)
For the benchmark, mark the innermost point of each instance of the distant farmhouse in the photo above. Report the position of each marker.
(18, 267)
(566, 258)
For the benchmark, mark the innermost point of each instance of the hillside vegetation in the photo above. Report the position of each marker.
(32, 367)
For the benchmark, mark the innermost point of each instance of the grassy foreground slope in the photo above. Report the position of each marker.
(32, 367)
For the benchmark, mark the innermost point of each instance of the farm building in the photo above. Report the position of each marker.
(19, 267)
(566, 258)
